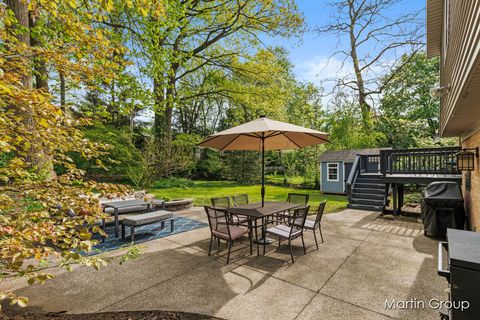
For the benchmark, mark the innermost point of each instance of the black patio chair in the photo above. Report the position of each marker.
(296, 198)
(299, 198)
(221, 228)
(292, 230)
(224, 202)
(221, 202)
(240, 199)
(313, 225)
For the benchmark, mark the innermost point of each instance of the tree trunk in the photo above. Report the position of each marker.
(169, 111)
(113, 104)
(171, 95)
(41, 72)
(364, 106)
(44, 164)
(317, 183)
(159, 96)
(131, 119)
(20, 10)
(36, 157)
(62, 90)
(164, 101)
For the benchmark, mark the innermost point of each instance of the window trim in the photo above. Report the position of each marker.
(336, 164)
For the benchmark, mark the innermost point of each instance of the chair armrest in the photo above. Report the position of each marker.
(289, 220)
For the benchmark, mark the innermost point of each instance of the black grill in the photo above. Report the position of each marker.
(442, 208)
(462, 272)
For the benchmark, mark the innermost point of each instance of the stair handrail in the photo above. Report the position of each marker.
(352, 176)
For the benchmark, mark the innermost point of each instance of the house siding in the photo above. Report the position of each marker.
(460, 58)
(454, 35)
(471, 186)
(332, 186)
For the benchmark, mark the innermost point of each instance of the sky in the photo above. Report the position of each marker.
(310, 55)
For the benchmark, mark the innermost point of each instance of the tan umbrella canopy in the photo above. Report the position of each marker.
(265, 134)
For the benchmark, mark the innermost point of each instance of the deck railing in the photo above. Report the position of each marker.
(419, 161)
(369, 163)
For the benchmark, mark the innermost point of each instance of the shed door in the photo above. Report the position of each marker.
(347, 168)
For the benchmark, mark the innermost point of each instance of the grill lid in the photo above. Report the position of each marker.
(443, 190)
(464, 249)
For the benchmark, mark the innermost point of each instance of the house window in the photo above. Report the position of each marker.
(332, 171)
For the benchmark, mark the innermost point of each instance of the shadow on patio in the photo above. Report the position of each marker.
(351, 275)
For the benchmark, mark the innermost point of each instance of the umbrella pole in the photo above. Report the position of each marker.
(263, 169)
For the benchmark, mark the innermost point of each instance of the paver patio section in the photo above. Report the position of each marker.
(363, 261)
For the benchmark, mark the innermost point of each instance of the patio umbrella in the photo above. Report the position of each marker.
(265, 134)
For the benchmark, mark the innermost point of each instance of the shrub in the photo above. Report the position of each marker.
(413, 197)
(122, 157)
(161, 159)
(243, 166)
(209, 165)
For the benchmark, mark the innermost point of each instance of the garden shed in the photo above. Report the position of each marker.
(335, 167)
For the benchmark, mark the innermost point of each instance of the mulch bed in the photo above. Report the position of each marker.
(410, 212)
(127, 315)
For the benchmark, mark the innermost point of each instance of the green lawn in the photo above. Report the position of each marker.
(279, 179)
(202, 191)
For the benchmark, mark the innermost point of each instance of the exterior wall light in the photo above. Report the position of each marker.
(466, 159)
(439, 92)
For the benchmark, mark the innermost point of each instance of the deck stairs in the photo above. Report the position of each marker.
(368, 193)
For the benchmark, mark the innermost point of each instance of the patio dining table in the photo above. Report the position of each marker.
(255, 211)
(116, 205)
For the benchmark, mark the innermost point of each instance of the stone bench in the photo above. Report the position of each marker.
(145, 219)
(178, 204)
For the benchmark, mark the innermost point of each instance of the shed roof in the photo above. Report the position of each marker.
(348, 155)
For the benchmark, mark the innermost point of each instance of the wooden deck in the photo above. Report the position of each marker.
(421, 178)
(413, 178)
(397, 167)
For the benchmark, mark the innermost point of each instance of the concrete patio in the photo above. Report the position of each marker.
(363, 262)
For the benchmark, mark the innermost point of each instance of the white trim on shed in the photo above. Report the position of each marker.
(337, 167)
